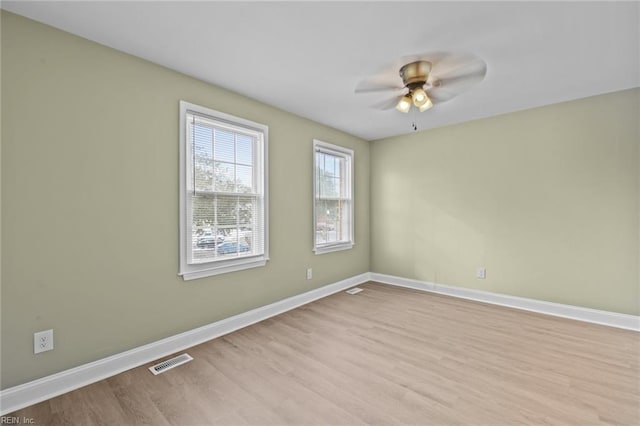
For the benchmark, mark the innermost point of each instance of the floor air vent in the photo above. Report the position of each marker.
(354, 290)
(170, 363)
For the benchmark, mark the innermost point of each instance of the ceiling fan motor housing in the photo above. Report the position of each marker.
(415, 74)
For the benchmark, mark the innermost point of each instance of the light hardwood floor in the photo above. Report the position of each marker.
(382, 357)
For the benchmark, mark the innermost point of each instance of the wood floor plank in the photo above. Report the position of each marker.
(384, 356)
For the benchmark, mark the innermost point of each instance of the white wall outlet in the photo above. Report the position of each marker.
(42, 341)
(481, 273)
(309, 273)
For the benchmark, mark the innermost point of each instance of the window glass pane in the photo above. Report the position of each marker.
(246, 211)
(322, 175)
(202, 163)
(338, 166)
(202, 139)
(328, 165)
(329, 174)
(329, 187)
(224, 177)
(238, 241)
(244, 149)
(316, 182)
(203, 236)
(203, 254)
(319, 165)
(226, 210)
(224, 146)
(202, 213)
(328, 222)
(203, 175)
(244, 179)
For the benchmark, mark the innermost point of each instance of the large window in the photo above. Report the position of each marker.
(332, 197)
(223, 192)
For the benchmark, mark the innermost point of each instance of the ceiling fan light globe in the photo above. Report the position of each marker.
(419, 97)
(428, 104)
(404, 104)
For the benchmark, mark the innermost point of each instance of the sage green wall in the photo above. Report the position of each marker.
(546, 199)
(90, 203)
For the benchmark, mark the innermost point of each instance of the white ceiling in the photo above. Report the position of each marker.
(308, 57)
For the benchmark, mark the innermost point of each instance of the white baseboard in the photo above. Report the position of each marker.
(612, 319)
(30, 393)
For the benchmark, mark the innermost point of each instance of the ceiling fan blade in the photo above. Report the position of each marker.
(460, 78)
(453, 63)
(387, 104)
(477, 66)
(460, 82)
(439, 96)
(370, 87)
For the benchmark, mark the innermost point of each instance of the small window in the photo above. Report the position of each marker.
(223, 192)
(332, 197)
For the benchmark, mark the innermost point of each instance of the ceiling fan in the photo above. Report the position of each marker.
(426, 80)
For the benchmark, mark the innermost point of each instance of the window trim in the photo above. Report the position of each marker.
(194, 271)
(320, 146)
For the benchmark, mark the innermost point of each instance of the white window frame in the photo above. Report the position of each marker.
(192, 271)
(348, 155)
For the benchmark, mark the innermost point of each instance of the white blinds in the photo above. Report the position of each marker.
(225, 190)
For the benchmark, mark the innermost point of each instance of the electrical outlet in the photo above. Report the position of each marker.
(309, 273)
(42, 341)
(481, 273)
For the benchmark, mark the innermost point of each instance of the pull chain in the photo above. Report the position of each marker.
(413, 124)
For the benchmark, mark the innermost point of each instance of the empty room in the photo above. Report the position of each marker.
(319, 213)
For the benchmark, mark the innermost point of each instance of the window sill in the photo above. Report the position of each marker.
(203, 271)
(329, 249)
